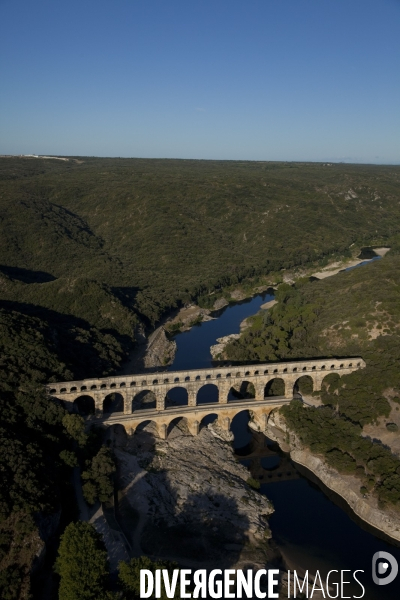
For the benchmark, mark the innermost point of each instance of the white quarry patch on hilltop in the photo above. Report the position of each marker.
(41, 156)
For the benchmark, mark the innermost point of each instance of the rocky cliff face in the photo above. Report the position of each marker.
(365, 508)
(346, 486)
(191, 500)
(160, 350)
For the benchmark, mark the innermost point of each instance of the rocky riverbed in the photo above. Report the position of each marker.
(187, 499)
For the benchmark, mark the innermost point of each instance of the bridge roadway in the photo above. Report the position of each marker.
(130, 388)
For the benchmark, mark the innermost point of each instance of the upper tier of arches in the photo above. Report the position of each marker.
(205, 375)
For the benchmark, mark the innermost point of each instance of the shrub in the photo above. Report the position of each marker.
(392, 427)
(254, 483)
(82, 563)
(98, 477)
(129, 575)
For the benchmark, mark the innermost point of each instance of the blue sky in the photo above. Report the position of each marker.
(252, 80)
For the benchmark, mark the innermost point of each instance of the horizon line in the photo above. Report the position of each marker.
(325, 162)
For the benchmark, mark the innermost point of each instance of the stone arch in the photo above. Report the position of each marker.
(145, 425)
(207, 394)
(117, 434)
(144, 400)
(243, 390)
(118, 428)
(144, 434)
(176, 396)
(180, 423)
(240, 429)
(84, 405)
(270, 463)
(304, 385)
(207, 419)
(275, 387)
(113, 403)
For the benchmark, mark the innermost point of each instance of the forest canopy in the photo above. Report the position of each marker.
(94, 249)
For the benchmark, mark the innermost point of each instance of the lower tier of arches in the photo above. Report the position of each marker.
(163, 427)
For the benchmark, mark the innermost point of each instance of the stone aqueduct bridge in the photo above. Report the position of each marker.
(224, 378)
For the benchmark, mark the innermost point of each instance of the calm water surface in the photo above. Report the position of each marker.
(311, 530)
(193, 350)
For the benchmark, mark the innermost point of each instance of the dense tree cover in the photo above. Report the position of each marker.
(129, 576)
(82, 564)
(84, 571)
(153, 233)
(99, 477)
(353, 313)
(92, 247)
(338, 316)
(339, 440)
(34, 481)
(38, 440)
(31, 438)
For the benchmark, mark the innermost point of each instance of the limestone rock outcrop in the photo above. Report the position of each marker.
(190, 489)
(160, 351)
(220, 303)
(346, 486)
(218, 349)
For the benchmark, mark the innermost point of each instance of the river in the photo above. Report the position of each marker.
(311, 530)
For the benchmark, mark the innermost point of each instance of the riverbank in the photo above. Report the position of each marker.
(156, 351)
(218, 349)
(366, 508)
(335, 267)
(150, 354)
(347, 487)
(187, 317)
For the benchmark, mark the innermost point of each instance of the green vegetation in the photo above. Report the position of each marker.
(92, 249)
(98, 477)
(253, 483)
(107, 240)
(39, 442)
(337, 316)
(392, 427)
(354, 313)
(339, 440)
(82, 564)
(129, 576)
(35, 478)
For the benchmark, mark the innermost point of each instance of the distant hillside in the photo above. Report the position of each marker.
(160, 232)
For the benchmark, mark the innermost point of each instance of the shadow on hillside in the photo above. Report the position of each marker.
(26, 275)
(83, 349)
(126, 295)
